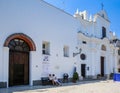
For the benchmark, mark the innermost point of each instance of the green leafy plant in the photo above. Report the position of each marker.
(75, 76)
(98, 75)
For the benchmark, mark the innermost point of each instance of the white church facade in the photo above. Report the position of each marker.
(38, 38)
(99, 52)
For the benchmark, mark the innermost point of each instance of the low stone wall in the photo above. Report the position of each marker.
(3, 84)
(37, 82)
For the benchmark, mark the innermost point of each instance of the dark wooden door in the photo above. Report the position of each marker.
(102, 66)
(83, 70)
(18, 77)
(18, 68)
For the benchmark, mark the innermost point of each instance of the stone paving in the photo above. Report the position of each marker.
(95, 86)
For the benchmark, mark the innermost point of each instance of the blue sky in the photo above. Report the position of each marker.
(112, 7)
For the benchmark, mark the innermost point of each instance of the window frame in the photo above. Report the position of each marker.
(66, 51)
(45, 48)
(104, 32)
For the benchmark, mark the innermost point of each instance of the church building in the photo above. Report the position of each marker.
(99, 54)
(38, 39)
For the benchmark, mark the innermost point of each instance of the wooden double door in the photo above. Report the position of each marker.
(18, 68)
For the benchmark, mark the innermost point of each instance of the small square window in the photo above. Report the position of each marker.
(84, 42)
(66, 51)
(43, 46)
(43, 52)
(46, 48)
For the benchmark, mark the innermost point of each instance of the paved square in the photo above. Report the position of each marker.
(79, 87)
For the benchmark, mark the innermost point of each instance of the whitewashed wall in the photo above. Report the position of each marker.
(93, 52)
(41, 22)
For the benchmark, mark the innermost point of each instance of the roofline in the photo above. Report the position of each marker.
(58, 9)
(102, 17)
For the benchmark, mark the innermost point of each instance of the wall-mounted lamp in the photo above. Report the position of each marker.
(88, 68)
(75, 54)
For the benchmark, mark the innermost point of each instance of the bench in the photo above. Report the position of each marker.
(46, 81)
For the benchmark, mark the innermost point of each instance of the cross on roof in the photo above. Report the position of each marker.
(102, 5)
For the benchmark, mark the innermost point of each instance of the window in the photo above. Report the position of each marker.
(84, 42)
(18, 45)
(46, 48)
(119, 62)
(83, 56)
(66, 51)
(103, 48)
(82, 16)
(119, 52)
(103, 32)
(103, 15)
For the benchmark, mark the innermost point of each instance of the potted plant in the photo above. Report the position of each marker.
(75, 76)
(98, 76)
(111, 75)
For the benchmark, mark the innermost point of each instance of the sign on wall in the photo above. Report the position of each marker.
(45, 66)
(45, 58)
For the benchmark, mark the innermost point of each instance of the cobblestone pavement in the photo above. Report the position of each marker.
(80, 87)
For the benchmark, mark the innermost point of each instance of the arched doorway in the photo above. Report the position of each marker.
(20, 46)
(18, 62)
